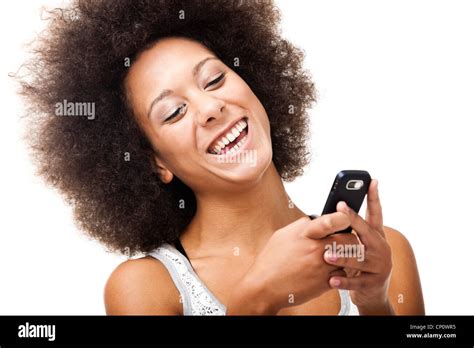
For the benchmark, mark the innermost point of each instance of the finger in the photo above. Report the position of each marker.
(337, 273)
(327, 224)
(373, 214)
(357, 261)
(347, 242)
(351, 273)
(361, 282)
(336, 239)
(362, 228)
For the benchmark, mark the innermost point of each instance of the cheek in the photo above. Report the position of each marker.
(258, 110)
(244, 92)
(251, 100)
(176, 146)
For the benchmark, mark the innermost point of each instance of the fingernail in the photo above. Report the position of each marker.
(330, 256)
(346, 207)
(336, 282)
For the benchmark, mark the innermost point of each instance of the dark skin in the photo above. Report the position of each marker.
(240, 256)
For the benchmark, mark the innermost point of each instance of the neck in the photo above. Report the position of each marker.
(240, 222)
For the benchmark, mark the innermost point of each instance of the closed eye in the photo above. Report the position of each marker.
(182, 108)
(215, 81)
(178, 111)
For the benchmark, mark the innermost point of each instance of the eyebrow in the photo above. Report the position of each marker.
(167, 92)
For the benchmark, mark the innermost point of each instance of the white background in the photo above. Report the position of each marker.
(396, 88)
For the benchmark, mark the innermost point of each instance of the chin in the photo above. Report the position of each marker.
(250, 171)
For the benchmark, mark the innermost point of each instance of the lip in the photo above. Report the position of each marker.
(242, 148)
(225, 131)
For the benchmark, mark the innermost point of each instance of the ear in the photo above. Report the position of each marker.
(166, 176)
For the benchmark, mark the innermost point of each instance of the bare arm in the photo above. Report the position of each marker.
(141, 287)
(404, 292)
(248, 299)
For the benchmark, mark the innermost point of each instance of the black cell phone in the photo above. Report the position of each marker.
(350, 186)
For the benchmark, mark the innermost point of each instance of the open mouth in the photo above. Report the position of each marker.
(232, 140)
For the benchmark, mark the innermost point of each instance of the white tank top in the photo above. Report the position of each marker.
(197, 298)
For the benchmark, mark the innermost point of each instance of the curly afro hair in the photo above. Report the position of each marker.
(81, 56)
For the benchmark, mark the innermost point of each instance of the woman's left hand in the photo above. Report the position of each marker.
(369, 289)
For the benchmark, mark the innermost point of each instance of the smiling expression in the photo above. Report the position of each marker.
(194, 110)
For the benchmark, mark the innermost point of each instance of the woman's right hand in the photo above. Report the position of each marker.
(290, 269)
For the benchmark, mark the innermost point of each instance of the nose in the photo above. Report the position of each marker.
(209, 109)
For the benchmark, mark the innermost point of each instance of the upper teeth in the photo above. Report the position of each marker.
(229, 137)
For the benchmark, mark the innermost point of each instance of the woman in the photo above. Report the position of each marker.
(181, 91)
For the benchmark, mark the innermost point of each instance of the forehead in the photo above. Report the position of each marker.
(171, 51)
(163, 65)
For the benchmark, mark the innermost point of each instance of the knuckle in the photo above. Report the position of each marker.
(327, 224)
(312, 248)
(303, 228)
(346, 238)
(302, 221)
(348, 218)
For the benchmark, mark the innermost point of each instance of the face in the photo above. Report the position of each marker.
(206, 125)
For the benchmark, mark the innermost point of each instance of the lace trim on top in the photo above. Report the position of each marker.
(197, 299)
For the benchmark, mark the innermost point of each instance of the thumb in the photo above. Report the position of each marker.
(326, 225)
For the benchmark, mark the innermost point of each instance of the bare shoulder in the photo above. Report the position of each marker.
(405, 290)
(141, 287)
(397, 240)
